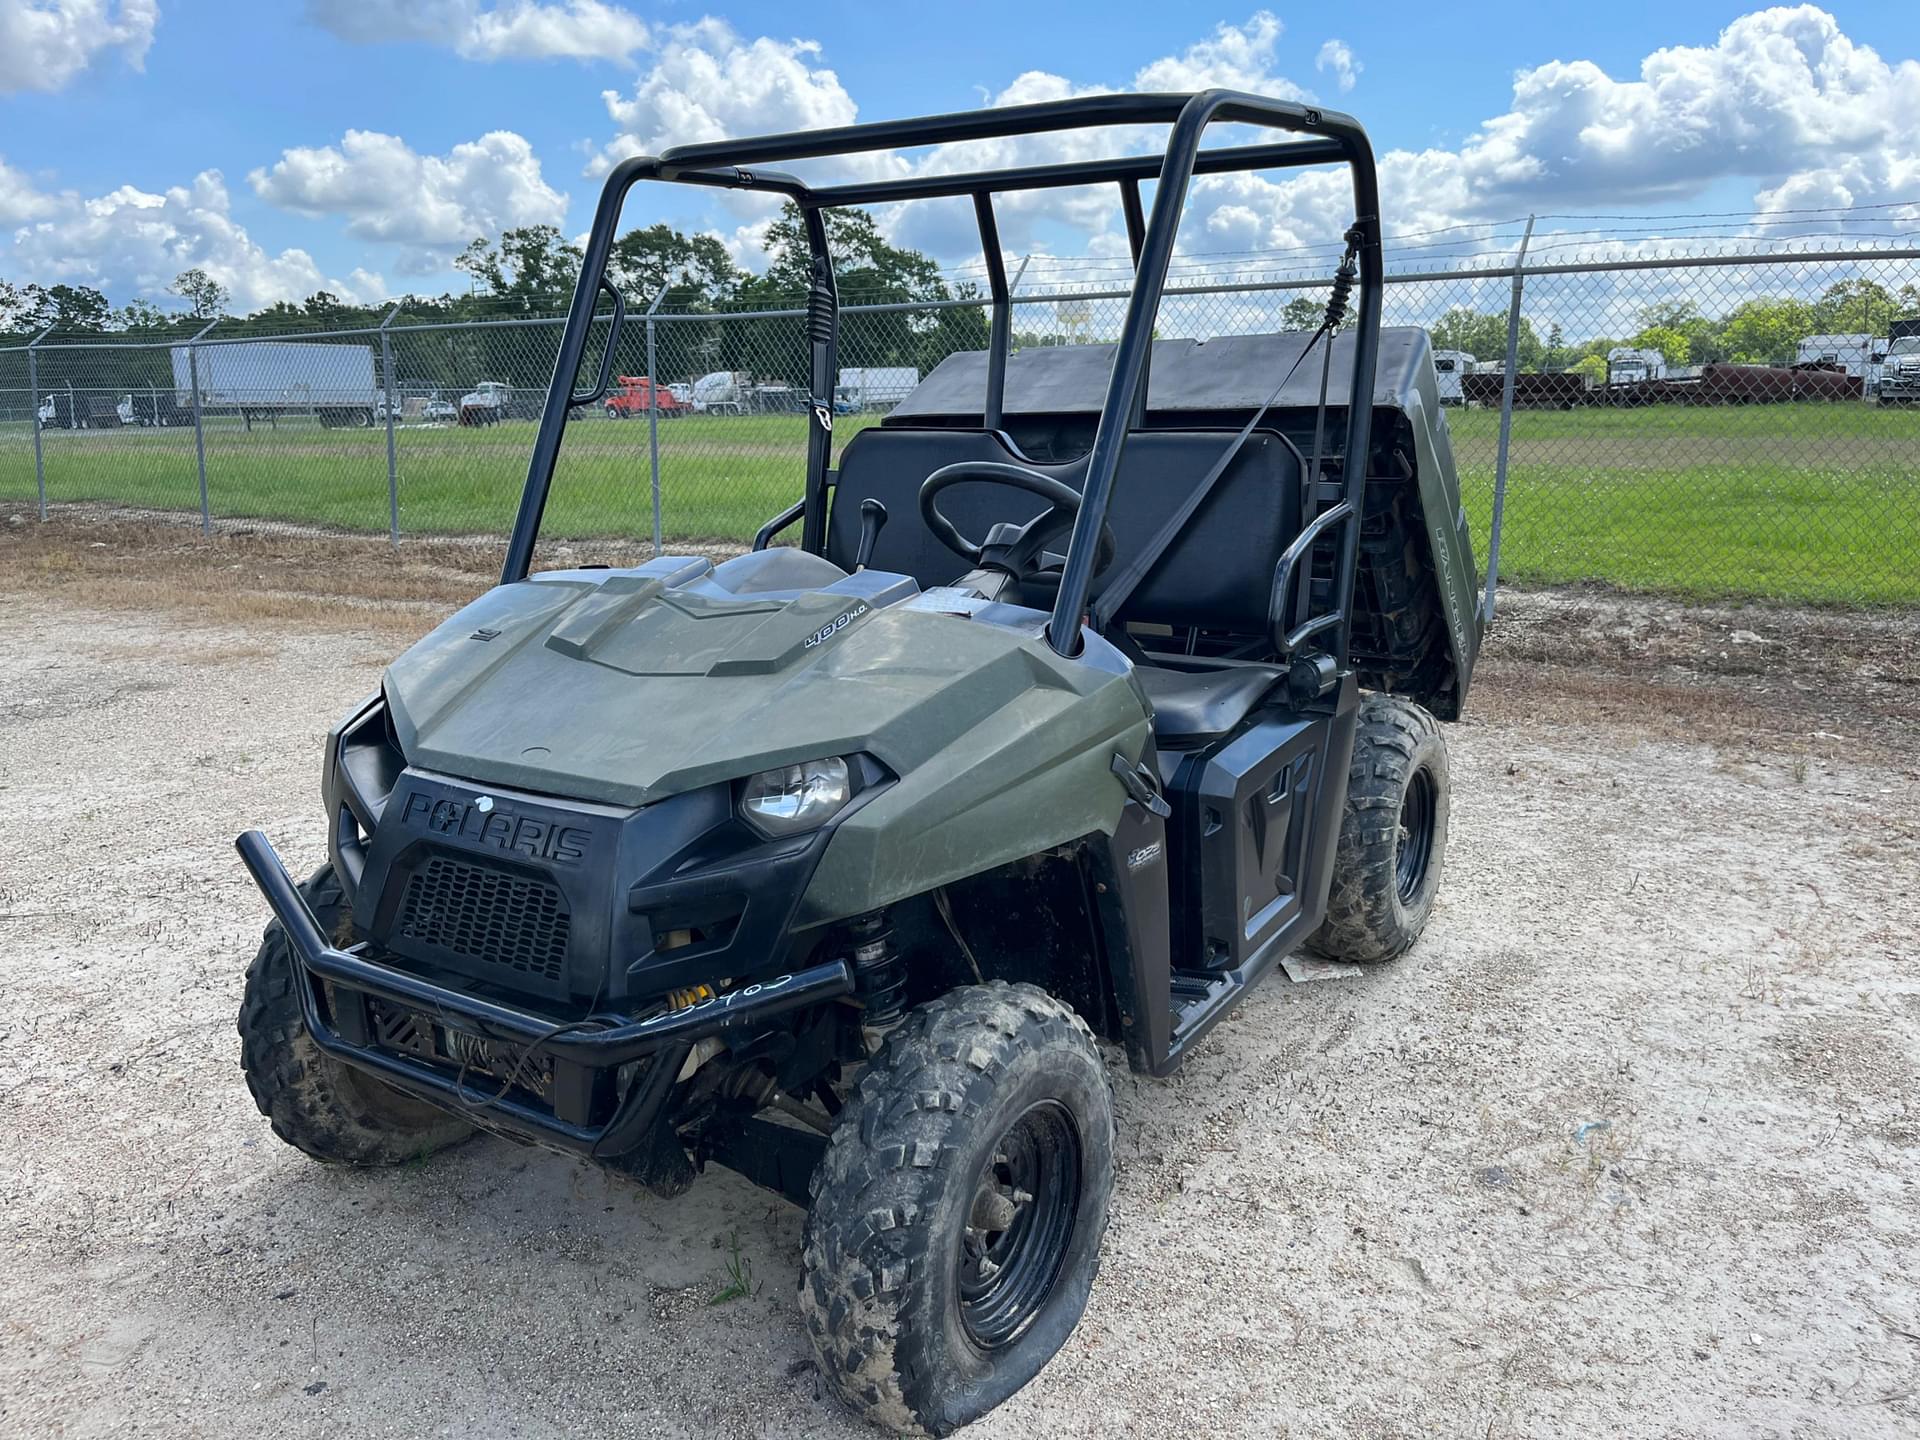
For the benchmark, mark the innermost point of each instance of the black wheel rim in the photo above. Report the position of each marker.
(1416, 835)
(1026, 1202)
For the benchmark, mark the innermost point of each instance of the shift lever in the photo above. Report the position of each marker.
(873, 515)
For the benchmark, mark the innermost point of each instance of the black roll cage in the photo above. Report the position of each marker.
(1333, 138)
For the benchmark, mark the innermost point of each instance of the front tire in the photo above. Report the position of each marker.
(318, 1105)
(1393, 835)
(957, 1215)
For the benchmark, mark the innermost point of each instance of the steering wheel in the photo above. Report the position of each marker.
(1013, 549)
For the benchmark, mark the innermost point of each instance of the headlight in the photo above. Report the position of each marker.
(793, 798)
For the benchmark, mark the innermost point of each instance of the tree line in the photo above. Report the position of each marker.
(1763, 330)
(530, 271)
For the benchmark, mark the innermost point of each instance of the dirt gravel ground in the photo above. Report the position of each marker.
(1629, 1145)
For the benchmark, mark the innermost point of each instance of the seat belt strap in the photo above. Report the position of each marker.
(1120, 589)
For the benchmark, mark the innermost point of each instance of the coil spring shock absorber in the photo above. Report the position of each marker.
(879, 977)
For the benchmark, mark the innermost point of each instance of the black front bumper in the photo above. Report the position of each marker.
(583, 1054)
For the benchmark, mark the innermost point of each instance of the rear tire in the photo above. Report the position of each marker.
(957, 1214)
(1393, 835)
(318, 1105)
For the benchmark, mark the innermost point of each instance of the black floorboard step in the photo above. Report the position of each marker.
(1198, 996)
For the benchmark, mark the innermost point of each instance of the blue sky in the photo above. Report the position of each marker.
(138, 136)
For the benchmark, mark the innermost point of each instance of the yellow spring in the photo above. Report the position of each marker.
(692, 995)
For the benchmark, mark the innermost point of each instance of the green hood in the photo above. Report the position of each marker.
(607, 686)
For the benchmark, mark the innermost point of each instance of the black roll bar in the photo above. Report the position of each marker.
(615, 321)
(1136, 217)
(1000, 332)
(823, 340)
(1135, 168)
(573, 340)
(734, 164)
(1125, 383)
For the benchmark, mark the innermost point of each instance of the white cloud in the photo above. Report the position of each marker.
(19, 200)
(709, 83)
(1336, 58)
(513, 30)
(132, 241)
(1857, 180)
(1780, 91)
(433, 203)
(1234, 57)
(45, 43)
(1782, 98)
(747, 244)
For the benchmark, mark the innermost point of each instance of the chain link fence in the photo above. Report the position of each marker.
(1718, 425)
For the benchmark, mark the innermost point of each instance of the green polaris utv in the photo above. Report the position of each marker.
(1101, 679)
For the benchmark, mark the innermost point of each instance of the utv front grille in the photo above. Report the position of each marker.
(491, 916)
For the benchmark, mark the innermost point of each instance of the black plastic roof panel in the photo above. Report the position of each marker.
(1228, 372)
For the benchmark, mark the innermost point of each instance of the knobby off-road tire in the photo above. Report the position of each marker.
(317, 1104)
(1393, 835)
(988, 1094)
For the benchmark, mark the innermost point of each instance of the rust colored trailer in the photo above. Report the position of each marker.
(1739, 385)
(1559, 391)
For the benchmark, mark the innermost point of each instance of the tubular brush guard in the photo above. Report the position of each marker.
(577, 1049)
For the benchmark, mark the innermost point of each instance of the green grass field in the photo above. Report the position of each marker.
(1809, 501)
(1795, 502)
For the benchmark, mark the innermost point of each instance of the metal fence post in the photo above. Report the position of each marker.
(1506, 424)
(653, 419)
(200, 430)
(393, 465)
(33, 402)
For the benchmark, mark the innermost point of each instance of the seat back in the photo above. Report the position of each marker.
(1217, 572)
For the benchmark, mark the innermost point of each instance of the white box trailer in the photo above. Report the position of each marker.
(874, 387)
(1450, 367)
(332, 381)
(1862, 356)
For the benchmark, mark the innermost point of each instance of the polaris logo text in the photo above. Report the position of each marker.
(827, 632)
(518, 835)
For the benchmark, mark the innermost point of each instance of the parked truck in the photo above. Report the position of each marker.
(1627, 365)
(874, 387)
(258, 379)
(152, 409)
(486, 403)
(637, 396)
(70, 409)
(723, 392)
(1900, 375)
